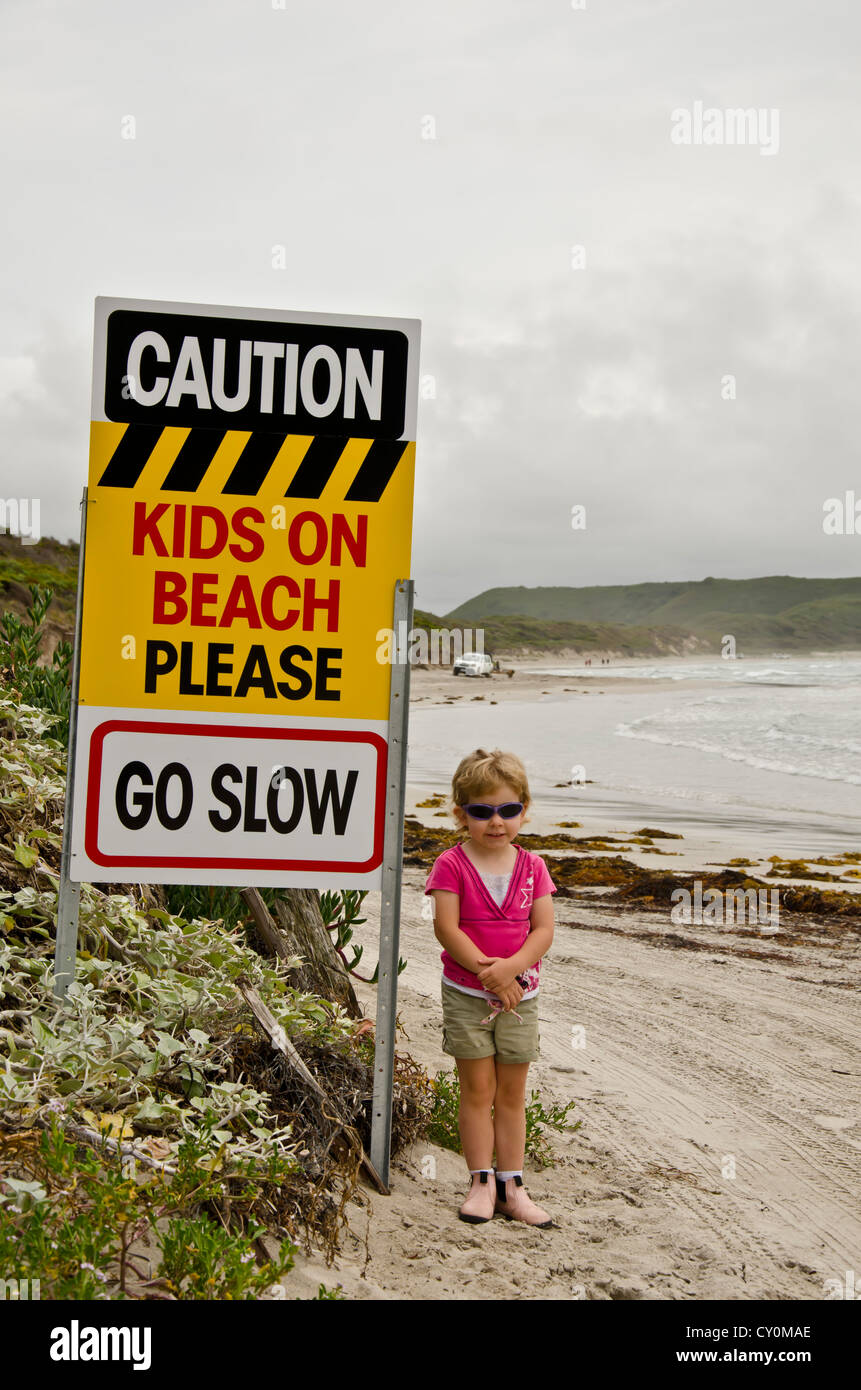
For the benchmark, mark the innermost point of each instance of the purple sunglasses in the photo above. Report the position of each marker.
(480, 811)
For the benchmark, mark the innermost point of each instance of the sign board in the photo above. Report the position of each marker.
(249, 512)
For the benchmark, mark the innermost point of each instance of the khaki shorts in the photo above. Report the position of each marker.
(465, 1036)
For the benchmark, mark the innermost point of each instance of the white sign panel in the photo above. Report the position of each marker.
(212, 796)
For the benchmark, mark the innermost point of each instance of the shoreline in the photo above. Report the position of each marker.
(685, 851)
(722, 808)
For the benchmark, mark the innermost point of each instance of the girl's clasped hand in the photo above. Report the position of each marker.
(497, 976)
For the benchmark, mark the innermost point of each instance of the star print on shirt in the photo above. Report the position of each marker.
(527, 891)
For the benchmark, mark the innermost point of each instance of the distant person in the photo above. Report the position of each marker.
(493, 916)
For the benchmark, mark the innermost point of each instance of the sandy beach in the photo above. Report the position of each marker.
(717, 1090)
(695, 1060)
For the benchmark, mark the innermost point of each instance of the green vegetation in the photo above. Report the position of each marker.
(152, 1061)
(782, 612)
(519, 632)
(48, 564)
(148, 1028)
(87, 1224)
(338, 908)
(46, 687)
(340, 913)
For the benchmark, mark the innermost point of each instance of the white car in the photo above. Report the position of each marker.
(473, 664)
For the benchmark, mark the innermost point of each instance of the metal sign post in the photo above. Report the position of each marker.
(69, 897)
(390, 911)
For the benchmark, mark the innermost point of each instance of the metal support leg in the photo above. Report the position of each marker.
(69, 897)
(390, 913)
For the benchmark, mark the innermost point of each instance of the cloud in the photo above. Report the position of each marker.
(303, 127)
(617, 391)
(20, 388)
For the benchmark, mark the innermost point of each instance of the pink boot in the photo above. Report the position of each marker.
(514, 1204)
(478, 1206)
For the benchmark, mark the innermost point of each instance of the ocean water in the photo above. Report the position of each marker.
(770, 748)
(777, 669)
(803, 728)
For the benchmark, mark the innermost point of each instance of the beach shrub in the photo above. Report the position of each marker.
(443, 1127)
(539, 1119)
(340, 913)
(47, 687)
(192, 900)
(200, 1260)
(84, 1222)
(145, 1045)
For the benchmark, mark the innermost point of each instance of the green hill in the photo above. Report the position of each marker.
(519, 634)
(776, 612)
(50, 563)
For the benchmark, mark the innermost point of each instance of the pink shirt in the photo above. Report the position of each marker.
(495, 930)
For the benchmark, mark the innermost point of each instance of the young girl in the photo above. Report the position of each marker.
(494, 917)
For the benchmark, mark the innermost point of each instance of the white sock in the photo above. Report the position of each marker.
(509, 1173)
(481, 1170)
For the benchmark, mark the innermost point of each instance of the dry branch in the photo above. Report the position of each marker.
(275, 1034)
(279, 940)
(96, 1141)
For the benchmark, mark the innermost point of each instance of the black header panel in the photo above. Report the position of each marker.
(255, 374)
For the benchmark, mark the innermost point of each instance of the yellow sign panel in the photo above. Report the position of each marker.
(268, 601)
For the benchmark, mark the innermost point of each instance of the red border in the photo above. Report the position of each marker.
(91, 827)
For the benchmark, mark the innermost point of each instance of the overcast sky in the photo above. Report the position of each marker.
(601, 385)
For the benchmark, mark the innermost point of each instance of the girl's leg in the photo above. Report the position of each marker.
(509, 1115)
(477, 1090)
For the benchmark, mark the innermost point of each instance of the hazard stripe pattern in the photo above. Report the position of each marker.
(188, 470)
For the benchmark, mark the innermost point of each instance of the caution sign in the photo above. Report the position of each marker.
(249, 512)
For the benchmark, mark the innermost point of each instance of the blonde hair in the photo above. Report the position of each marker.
(479, 772)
